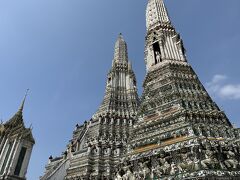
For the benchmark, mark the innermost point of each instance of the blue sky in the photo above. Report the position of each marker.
(62, 50)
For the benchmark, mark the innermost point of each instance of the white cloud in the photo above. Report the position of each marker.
(230, 91)
(219, 87)
(218, 78)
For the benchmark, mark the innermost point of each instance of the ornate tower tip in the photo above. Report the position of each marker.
(120, 36)
(23, 102)
(156, 13)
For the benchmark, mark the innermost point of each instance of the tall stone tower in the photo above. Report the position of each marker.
(121, 94)
(176, 132)
(16, 143)
(181, 132)
(97, 145)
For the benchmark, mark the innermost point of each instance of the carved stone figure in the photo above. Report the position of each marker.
(163, 163)
(196, 163)
(231, 161)
(144, 171)
(174, 169)
(158, 56)
(155, 172)
(186, 163)
(118, 176)
(210, 160)
(128, 175)
(199, 130)
(190, 131)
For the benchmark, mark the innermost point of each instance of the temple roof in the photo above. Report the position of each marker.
(15, 126)
(17, 118)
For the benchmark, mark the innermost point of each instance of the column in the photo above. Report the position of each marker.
(2, 144)
(10, 156)
(3, 154)
(26, 160)
(15, 158)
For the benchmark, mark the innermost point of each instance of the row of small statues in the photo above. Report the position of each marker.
(205, 157)
(208, 131)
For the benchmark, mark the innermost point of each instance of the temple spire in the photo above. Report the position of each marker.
(120, 52)
(121, 96)
(163, 43)
(156, 13)
(23, 102)
(17, 119)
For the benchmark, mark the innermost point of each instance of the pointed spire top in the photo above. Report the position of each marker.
(23, 102)
(120, 54)
(17, 119)
(156, 13)
(120, 38)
